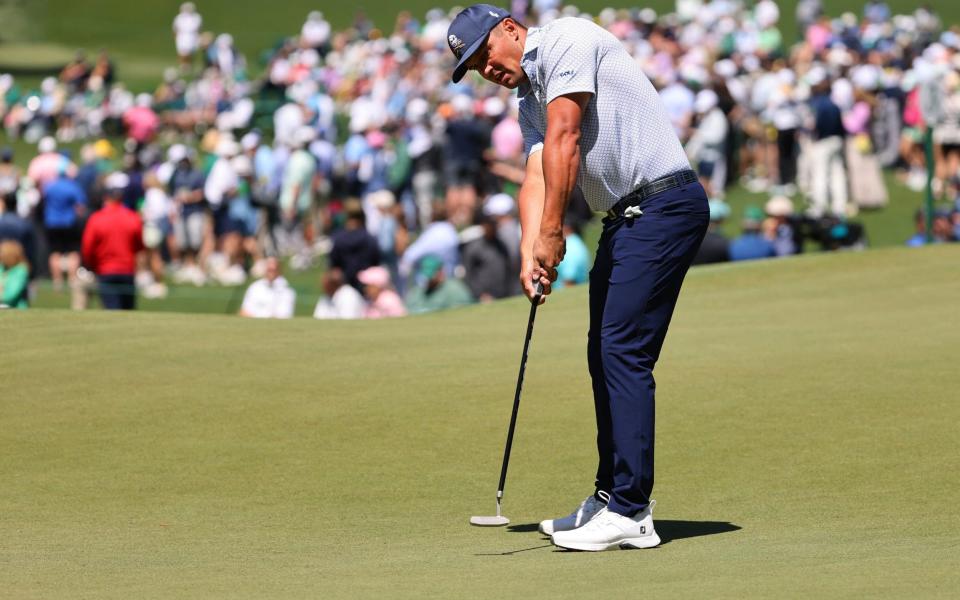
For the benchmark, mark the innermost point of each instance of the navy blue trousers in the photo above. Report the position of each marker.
(634, 285)
(117, 292)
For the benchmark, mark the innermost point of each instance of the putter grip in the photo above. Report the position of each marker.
(536, 298)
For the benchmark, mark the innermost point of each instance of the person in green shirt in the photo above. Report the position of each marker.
(433, 291)
(14, 275)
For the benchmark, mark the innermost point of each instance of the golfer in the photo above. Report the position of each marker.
(590, 118)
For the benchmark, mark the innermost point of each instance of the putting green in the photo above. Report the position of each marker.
(806, 446)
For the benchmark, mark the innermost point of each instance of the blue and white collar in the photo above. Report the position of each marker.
(529, 61)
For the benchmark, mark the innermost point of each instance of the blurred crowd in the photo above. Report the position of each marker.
(353, 150)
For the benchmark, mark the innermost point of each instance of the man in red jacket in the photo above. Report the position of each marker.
(111, 241)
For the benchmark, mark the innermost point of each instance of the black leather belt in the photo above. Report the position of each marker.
(629, 205)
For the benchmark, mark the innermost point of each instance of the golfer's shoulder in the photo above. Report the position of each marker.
(571, 32)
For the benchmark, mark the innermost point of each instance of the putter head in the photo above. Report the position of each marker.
(497, 521)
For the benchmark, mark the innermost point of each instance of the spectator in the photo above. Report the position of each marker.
(140, 121)
(340, 300)
(440, 239)
(155, 213)
(186, 31)
(14, 275)
(715, 247)
(502, 208)
(354, 249)
(779, 228)
(111, 241)
(574, 269)
(751, 244)
(15, 228)
(186, 189)
(436, 292)
(489, 273)
(382, 301)
(9, 175)
(388, 229)
(296, 195)
(707, 145)
(315, 32)
(48, 164)
(64, 205)
(828, 178)
(270, 297)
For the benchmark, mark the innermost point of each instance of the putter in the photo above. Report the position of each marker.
(499, 520)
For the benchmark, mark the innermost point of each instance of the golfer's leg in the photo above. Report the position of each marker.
(599, 278)
(651, 260)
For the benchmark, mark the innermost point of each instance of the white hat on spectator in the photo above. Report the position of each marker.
(694, 74)
(908, 81)
(48, 85)
(6, 82)
(494, 106)
(498, 205)
(705, 101)
(839, 56)
(116, 181)
(250, 141)
(936, 53)
(866, 77)
(779, 206)
(950, 39)
(766, 13)
(607, 17)
(648, 16)
(417, 109)
(47, 144)
(816, 75)
(787, 76)
(304, 135)
(725, 68)
(176, 153)
(382, 199)
(462, 105)
(144, 100)
(841, 92)
(226, 146)
(242, 165)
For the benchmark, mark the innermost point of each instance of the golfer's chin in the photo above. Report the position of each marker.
(508, 81)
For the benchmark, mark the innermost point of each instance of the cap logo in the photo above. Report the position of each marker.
(456, 44)
(493, 14)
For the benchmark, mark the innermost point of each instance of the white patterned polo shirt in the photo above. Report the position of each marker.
(626, 138)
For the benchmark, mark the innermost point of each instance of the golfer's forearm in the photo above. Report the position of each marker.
(561, 162)
(530, 201)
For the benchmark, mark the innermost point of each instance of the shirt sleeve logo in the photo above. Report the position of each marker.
(566, 73)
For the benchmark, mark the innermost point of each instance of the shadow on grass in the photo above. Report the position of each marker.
(669, 530)
(512, 552)
(678, 530)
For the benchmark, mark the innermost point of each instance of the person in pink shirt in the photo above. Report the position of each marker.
(383, 302)
(141, 122)
(48, 164)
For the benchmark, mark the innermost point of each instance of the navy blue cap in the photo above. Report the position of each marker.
(469, 31)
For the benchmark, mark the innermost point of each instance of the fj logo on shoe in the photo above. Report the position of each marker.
(643, 530)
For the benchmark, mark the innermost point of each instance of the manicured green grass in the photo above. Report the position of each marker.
(806, 447)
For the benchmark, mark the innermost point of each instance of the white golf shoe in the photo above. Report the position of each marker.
(586, 511)
(608, 530)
